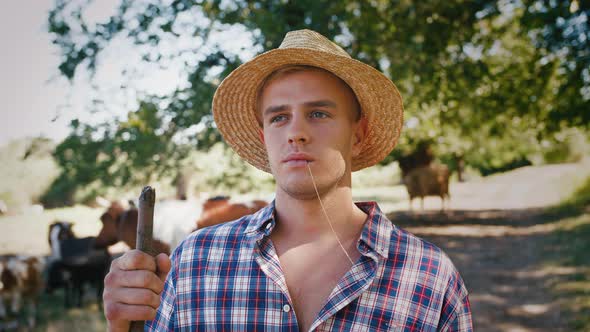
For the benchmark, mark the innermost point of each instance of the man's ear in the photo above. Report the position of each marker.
(360, 133)
(261, 135)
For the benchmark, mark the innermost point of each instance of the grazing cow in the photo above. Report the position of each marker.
(431, 180)
(21, 284)
(124, 228)
(75, 262)
(107, 235)
(226, 210)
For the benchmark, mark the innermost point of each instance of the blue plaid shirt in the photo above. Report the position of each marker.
(228, 278)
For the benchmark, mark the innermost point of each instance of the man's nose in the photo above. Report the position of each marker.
(298, 131)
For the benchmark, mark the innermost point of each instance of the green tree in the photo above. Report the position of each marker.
(131, 152)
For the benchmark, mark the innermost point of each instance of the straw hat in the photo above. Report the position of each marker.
(234, 102)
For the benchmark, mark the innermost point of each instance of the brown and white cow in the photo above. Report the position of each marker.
(21, 284)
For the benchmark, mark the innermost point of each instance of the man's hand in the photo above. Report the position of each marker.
(132, 288)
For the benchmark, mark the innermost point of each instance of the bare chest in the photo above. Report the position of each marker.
(311, 273)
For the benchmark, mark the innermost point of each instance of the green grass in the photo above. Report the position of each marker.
(581, 198)
(53, 316)
(570, 247)
(577, 203)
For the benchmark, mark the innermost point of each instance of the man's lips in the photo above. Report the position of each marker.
(297, 157)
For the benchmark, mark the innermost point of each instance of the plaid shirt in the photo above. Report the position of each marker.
(228, 278)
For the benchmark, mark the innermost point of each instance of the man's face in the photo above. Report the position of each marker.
(308, 119)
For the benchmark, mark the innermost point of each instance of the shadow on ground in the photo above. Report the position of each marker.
(524, 268)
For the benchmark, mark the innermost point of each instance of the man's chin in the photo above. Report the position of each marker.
(302, 191)
(303, 196)
(299, 184)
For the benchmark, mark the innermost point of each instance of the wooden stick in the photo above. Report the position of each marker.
(145, 226)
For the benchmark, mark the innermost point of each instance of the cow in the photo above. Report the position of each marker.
(225, 210)
(75, 262)
(21, 284)
(123, 227)
(431, 180)
(58, 231)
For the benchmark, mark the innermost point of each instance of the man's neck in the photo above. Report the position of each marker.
(305, 220)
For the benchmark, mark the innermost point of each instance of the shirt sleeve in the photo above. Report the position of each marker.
(166, 315)
(456, 310)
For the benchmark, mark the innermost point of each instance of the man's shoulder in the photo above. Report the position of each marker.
(405, 250)
(415, 252)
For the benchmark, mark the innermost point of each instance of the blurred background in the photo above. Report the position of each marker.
(103, 97)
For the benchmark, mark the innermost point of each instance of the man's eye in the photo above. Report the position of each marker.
(318, 115)
(277, 118)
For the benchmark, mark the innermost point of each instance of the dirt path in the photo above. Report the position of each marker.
(500, 256)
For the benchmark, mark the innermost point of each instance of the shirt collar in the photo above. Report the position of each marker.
(375, 235)
(376, 232)
(260, 221)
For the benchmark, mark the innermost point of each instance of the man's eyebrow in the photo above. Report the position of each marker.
(309, 104)
(320, 103)
(275, 109)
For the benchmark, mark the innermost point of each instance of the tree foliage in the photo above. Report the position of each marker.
(485, 79)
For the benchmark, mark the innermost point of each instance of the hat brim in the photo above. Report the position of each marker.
(234, 103)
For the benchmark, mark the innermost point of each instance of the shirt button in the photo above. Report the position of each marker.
(268, 225)
(286, 308)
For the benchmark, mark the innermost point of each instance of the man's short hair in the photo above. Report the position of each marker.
(291, 69)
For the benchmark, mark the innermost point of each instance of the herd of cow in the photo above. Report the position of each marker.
(76, 262)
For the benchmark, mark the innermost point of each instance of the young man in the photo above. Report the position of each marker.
(312, 260)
